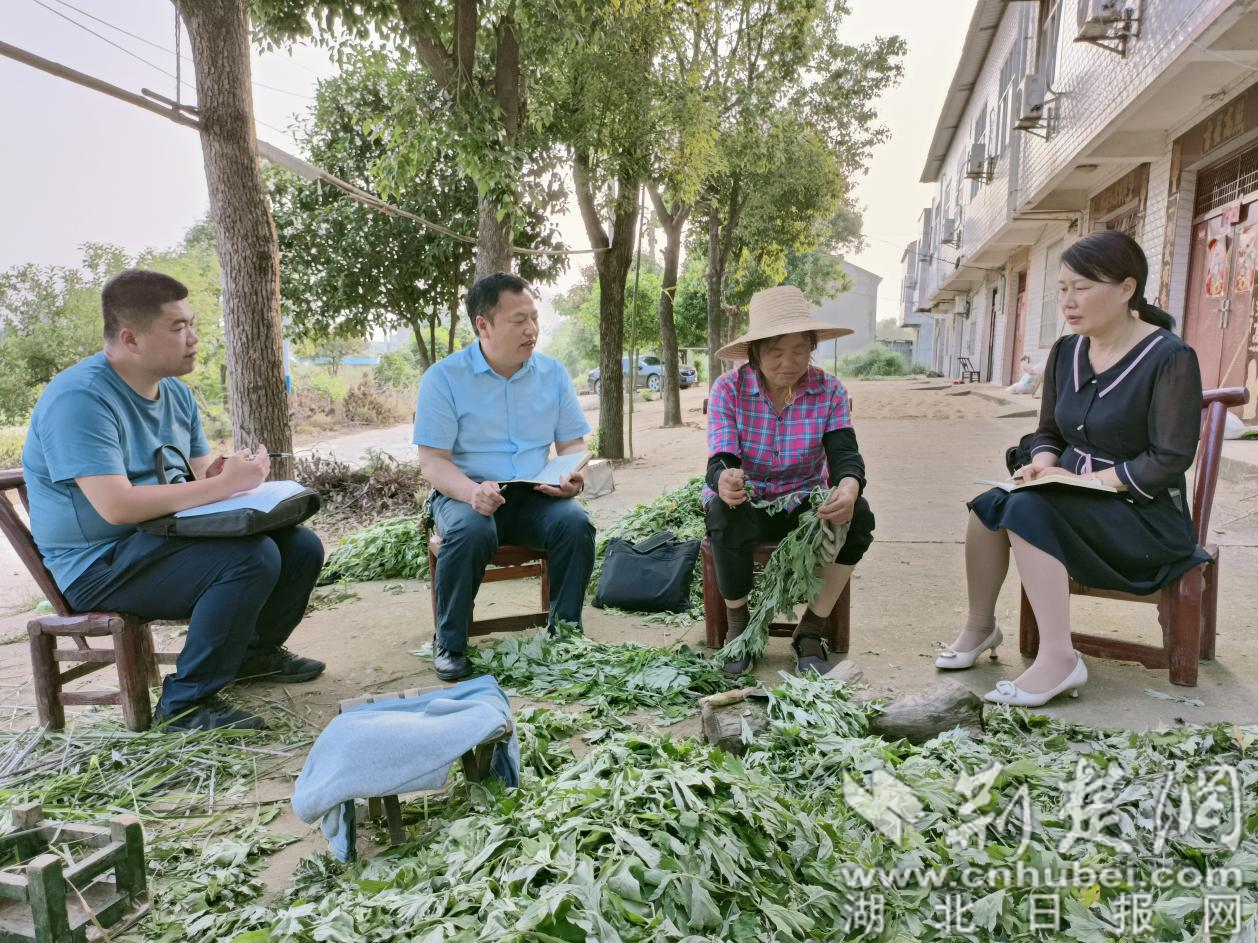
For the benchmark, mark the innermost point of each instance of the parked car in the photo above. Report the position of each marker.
(650, 374)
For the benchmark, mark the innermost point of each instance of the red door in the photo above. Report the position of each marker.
(1019, 332)
(1219, 319)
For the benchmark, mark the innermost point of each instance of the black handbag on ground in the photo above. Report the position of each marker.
(652, 575)
(239, 522)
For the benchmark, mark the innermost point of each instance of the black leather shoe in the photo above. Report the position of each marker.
(211, 714)
(451, 666)
(279, 665)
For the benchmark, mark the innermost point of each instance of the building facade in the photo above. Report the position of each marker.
(1068, 116)
(855, 308)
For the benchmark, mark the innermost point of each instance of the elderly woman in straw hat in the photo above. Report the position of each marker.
(780, 426)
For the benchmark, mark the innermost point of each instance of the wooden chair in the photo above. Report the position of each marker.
(128, 638)
(968, 373)
(1187, 607)
(475, 762)
(509, 562)
(716, 623)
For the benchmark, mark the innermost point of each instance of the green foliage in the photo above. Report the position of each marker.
(11, 441)
(50, 318)
(875, 361)
(392, 549)
(615, 680)
(399, 370)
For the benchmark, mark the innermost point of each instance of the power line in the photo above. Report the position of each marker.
(150, 43)
(266, 151)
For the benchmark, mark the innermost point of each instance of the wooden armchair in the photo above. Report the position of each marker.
(128, 646)
(1187, 607)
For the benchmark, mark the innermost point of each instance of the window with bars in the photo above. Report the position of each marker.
(1227, 182)
(1050, 310)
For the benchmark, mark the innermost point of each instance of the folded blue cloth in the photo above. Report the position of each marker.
(401, 745)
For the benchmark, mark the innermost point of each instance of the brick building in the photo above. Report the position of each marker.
(1067, 116)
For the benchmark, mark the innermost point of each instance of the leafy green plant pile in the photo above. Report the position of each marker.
(612, 679)
(679, 510)
(392, 549)
(649, 838)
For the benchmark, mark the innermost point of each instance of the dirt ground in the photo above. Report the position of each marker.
(924, 443)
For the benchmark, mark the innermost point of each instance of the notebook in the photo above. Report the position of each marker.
(555, 469)
(262, 498)
(1013, 484)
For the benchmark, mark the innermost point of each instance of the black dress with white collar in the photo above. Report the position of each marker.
(1140, 416)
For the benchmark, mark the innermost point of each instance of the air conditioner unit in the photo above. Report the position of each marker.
(976, 168)
(950, 235)
(1110, 24)
(1096, 17)
(1032, 91)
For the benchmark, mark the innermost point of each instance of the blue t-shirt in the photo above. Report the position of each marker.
(88, 421)
(496, 428)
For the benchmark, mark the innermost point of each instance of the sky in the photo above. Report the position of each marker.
(77, 166)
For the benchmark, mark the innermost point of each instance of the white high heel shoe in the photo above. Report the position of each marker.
(1007, 692)
(954, 660)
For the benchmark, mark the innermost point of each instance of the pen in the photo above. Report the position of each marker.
(279, 454)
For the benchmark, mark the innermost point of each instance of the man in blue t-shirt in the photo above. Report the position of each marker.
(89, 464)
(487, 417)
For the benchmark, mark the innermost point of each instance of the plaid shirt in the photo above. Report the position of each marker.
(781, 452)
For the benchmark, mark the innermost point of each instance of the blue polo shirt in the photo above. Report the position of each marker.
(88, 421)
(497, 429)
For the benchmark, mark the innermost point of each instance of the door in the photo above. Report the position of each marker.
(991, 336)
(1019, 331)
(1219, 320)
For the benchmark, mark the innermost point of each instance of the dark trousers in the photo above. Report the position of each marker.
(734, 533)
(241, 596)
(529, 519)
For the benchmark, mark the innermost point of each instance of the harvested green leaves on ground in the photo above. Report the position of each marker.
(392, 549)
(613, 679)
(647, 838)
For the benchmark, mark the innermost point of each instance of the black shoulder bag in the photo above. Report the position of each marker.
(652, 575)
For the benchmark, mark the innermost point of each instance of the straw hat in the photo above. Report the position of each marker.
(778, 311)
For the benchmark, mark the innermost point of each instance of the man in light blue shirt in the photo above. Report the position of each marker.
(90, 468)
(487, 416)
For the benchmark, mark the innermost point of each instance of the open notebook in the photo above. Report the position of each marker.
(555, 469)
(262, 498)
(1014, 484)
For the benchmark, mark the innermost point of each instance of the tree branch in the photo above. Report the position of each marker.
(426, 39)
(508, 84)
(466, 19)
(584, 188)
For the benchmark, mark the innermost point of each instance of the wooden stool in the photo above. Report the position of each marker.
(475, 762)
(509, 562)
(130, 640)
(716, 622)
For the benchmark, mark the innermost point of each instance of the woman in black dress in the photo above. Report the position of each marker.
(1121, 407)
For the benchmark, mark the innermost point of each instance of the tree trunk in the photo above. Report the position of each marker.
(454, 322)
(433, 319)
(613, 272)
(427, 352)
(716, 276)
(218, 31)
(672, 222)
(493, 239)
